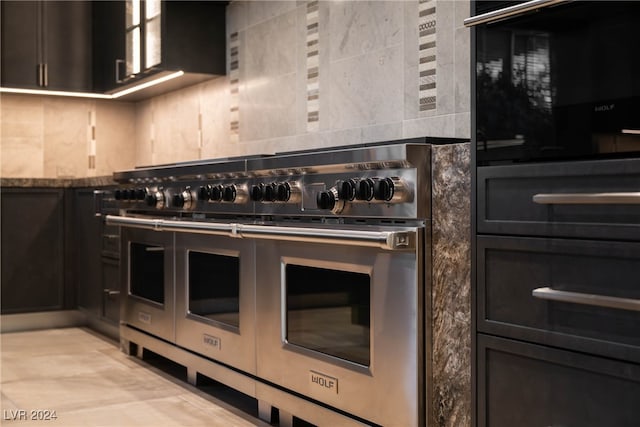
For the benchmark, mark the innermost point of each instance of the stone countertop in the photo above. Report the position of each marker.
(98, 181)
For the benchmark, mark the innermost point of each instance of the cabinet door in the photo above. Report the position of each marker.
(67, 45)
(87, 246)
(33, 245)
(529, 385)
(20, 43)
(108, 44)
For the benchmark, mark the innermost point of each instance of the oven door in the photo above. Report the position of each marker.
(147, 281)
(341, 323)
(215, 298)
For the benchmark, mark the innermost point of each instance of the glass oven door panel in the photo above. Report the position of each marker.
(214, 287)
(147, 280)
(215, 298)
(329, 311)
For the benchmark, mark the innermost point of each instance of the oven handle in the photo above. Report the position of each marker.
(389, 240)
(508, 12)
(158, 224)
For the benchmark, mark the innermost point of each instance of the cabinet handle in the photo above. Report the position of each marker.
(631, 198)
(98, 200)
(45, 74)
(40, 76)
(508, 12)
(550, 294)
(119, 62)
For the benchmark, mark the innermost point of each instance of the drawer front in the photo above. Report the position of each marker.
(596, 199)
(509, 269)
(111, 241)
(111, 289)
(528, 385)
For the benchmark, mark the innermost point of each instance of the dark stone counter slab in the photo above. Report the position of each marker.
(98, 181)
(450, 319)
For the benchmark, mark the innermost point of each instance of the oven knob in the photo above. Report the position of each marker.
(257, 192)
(140, 194)
(328, 200)
(347, 189)
(288, 192)
(216, 193)
(151, 199)
(204, 192)
(178, 201)
(270, 193)
(155, 199)
(229, 193)
(383, 189)
(365, 189)
(117, 194)
(325, 200)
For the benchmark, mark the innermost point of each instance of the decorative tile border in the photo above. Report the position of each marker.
(234, 84)
(427, 54)
(313, 67)
(91, 141)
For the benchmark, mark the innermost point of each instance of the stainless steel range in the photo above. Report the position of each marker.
(304, 273)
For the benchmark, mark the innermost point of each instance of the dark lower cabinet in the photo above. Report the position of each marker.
(96, 260)
(34, 277)
(557, 294)
(87, 242)
(529, 385)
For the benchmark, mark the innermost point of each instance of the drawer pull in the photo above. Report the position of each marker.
(587, 299)
(587, 198)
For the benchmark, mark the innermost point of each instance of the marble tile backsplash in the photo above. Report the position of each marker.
(53, 137)
(358, 81)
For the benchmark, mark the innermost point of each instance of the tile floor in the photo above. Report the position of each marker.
(88, 381)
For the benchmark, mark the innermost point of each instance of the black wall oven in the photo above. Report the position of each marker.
(557, 80)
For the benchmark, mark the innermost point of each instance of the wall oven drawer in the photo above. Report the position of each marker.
(215, 298)
(147, 282)
(342, 325)
(529, 385)
(583, 295)
(598, 199)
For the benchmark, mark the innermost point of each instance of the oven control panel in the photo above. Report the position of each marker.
(386, 193)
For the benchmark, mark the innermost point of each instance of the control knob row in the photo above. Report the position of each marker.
(390, 190)
(382, 189)
(286, 192)
(217, 193)
(131, 194)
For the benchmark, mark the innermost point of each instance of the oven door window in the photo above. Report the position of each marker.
(328, 311)
(214, 287)
(147, 272)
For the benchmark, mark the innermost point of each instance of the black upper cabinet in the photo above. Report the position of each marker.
(136, 40)
(46, 45)
(97, 46)
(108, 42)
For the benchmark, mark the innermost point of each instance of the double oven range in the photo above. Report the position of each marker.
(303, 271)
